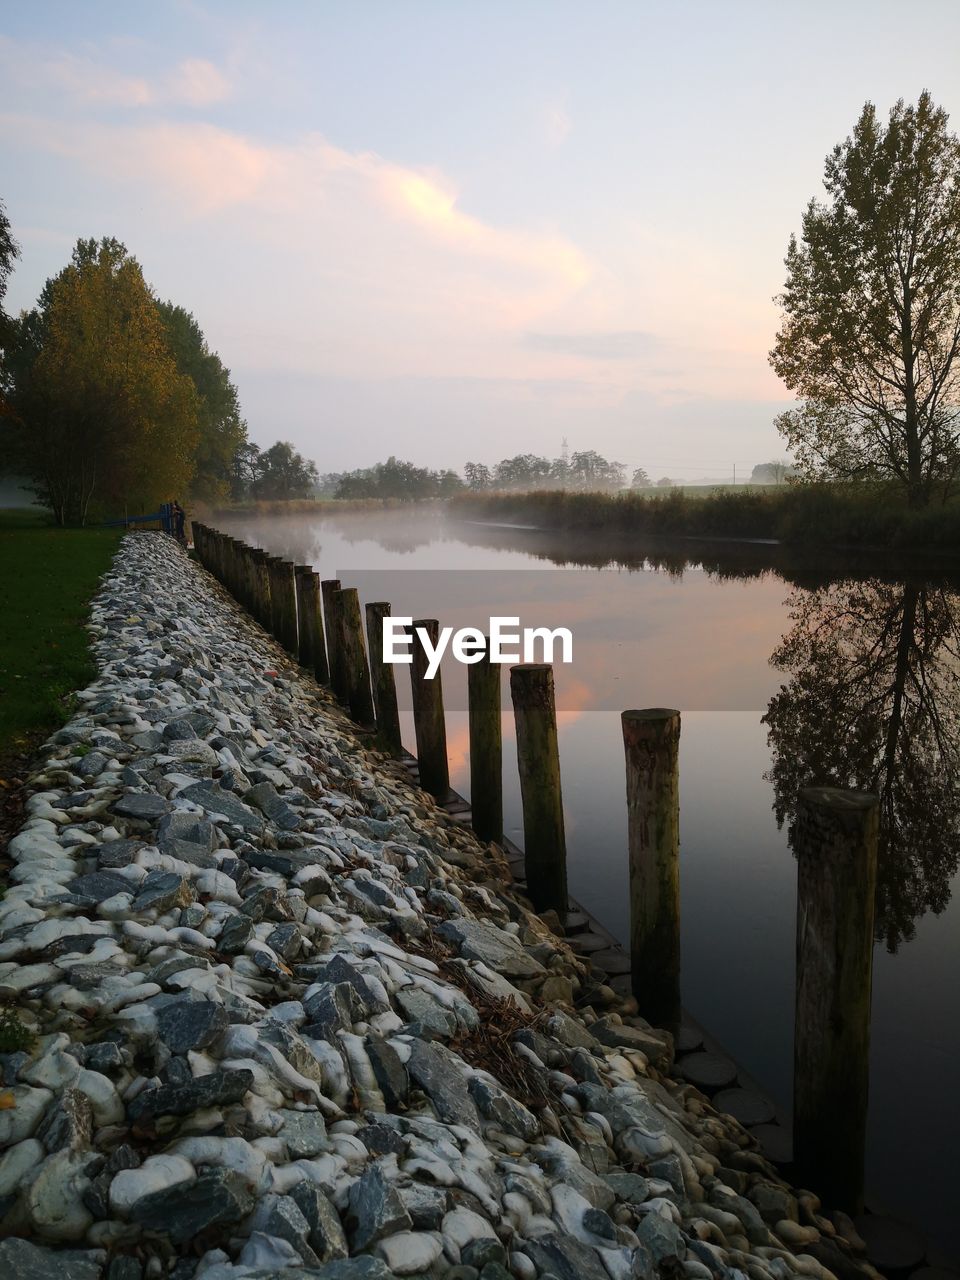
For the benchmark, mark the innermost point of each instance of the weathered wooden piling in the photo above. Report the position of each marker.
(428, 718)
(312, 605)
(383, 681)
(261, 569)
(330, 594)
(284, 599)
(835, 840)
(305, 627)
(538, 758)
(354, 655)
(651, 741)
(486, 747)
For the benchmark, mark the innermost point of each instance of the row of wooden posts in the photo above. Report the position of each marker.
(835, 838)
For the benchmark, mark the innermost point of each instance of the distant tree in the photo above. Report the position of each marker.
(590, 471)
(523, 471)
(282, 474)
(101, 410)
(664, 483)
(222, 431)
(478, 476)
(871, 309)
(640, 479)
(9, 252)
(772, 472)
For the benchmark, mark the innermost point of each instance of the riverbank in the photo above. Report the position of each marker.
(810, 515)
(288, 1012)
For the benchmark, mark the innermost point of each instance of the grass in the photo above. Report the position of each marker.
(47, 577)
(812, 515)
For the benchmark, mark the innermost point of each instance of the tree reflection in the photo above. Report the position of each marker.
(873, 702)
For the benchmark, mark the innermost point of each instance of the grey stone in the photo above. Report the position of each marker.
(144, 807)
(216, 1089)
(571, 1033)
(565, 1257)
(391, 1074)
(631, 1188)
(656, 1045)
(68, 1123)
(213, 799)
(161, 891)
(339, 969)
(485, 942)
(293, 1047)
(480, 1253)
(217, 1197)
(125, 1268)
(22, 1260)
(267, 903)
(443, 1083)
(431, 1019)
(235, 935)
(118, 853)
(286, 1221)
(600, 1223)
(147, 740)
(663, 1239)
(304, 1132)
(186, 828)
(326, 1237)
(194, 724)
(425, 1204)
(99, 885)
(90, 765)
(335, 1007)
(497, 1106)
(191, 1024)
(376, 1209)
(265, 798)
(381, 1139)
(286, 940)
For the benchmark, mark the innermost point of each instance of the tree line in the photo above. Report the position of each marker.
(111, 400)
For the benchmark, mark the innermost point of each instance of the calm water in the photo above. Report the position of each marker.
(785, 674)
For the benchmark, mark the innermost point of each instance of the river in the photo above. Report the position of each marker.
(786, 672)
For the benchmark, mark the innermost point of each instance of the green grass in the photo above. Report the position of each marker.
(47, 577)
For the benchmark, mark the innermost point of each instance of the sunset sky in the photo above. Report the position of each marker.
(460, 230)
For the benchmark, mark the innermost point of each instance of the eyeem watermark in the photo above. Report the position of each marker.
(468, 644)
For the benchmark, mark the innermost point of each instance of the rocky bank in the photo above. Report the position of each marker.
(290, 1020)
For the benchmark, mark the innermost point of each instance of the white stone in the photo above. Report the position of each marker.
(54, 1200)
(408, 1252)
(155, 1174)
(18, 1163)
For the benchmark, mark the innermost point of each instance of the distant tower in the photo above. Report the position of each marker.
(565, 453)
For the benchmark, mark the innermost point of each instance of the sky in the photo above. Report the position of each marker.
(457, 230)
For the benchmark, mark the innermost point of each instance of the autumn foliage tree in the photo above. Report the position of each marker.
(871, 309)
(103, 414)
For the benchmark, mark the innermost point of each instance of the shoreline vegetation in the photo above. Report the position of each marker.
(817, 515)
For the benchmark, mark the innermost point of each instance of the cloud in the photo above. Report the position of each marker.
(621, 344)
(197, 83)
(556, 124)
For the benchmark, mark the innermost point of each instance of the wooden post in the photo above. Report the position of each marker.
(261, 568)
(538, 758)
(354, 653)
(311, 603)
(651, 742)
(486, 747)
(330, 592)
(835, 840)
(288, 595)
(384, 681)
(305, 629)
(428, 719)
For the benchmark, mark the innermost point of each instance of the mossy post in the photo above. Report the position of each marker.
(305, 629)
(486, 747)
(383, 680)
(428, 719)
(330, 594)
(651, 743)
(311, 602)
(538, 759)
(354, 650)
(835, 841)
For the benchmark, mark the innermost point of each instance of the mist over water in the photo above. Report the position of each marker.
(729, 633)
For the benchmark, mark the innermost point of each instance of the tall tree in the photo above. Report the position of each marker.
(9, 252)
(871, 309)
(103, 413)
(283, 473)
(222, 431)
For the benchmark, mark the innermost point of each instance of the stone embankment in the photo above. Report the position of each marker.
(290, 1020)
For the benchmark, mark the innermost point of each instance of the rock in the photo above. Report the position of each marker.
(655, 1045)
(219, 803)
(68, 1123)
(186, 1024)
(708, 1071)
(663, 1239)
(631, 1188)
(325, 1233)
(478, 940)
(217, 1197)
(54, 1199)
(745, 1105)
(17, 1162)
(217, 1089)
(22, 1260)
(265, 798)
(286, 940)
(21, 1120)
(304, 1132)
(163, 890)
(141, 806)
(443, 1083)
(410, 1252)
(235, 935)
(566, 1258)
(504, 1112)
(375, 1209)
(429, 1018)
(426, 1205)
(391, 1074)
(98, 886)
(158, 1173)
(280, 1217)
(481, 1252)
(118, 853)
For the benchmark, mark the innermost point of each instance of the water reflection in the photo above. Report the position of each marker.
(873, 702)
